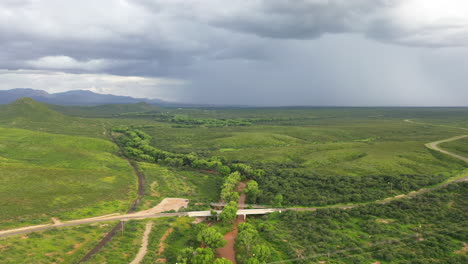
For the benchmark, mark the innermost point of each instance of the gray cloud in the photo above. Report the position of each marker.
(278, 51)
(299, 19)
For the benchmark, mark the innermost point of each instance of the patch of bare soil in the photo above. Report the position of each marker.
(166, 205)
(3, 246)
(384, 221)
(75, 248)
(199, 220)
(56, 221)
(463, 250)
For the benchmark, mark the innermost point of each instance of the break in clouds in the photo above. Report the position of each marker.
(249, 52)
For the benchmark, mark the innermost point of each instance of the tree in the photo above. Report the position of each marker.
(211, 237)
(278, 200)
(229, 213)
(214, 165)
(198, 256)
(261, 252)
(222, 261)
(228, 196)
(253, 261)
(203, 256)
(244, 169)
(247, 237)
(224, 170)
(214, 216)
(258, 173)
(252, 191)
(199, 164)
(185, 256)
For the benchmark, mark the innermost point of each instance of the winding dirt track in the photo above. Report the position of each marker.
(144, 244)
(435, 146)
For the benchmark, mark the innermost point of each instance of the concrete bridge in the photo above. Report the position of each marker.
(254, 206)
(126, 217)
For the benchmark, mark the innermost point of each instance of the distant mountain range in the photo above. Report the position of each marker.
(76, 97)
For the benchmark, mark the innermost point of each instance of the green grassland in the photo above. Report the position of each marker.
(160, 227)
(44, 175)
(364, 147)
(28, 114)
(430, 228)
(125, 245)
(459, 147)
(162, 182)
(328, 160)
(58, 161)
(67, 245)
(104, 111)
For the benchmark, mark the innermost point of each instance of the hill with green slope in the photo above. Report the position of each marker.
(29, 110)
(26, 113)
(45, 175)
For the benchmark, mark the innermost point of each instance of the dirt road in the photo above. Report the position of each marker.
(435, 146)
(144, 244)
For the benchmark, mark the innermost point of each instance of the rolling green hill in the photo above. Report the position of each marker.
(44, 175)
(25, 113)
(26, 109)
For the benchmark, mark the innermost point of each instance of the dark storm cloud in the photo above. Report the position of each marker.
(231, 47)
(300, 19)
(162, 37)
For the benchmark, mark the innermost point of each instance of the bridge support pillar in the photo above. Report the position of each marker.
(245, 217)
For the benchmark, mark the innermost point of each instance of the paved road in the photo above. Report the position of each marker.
(127, 217)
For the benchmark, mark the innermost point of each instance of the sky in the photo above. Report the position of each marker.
(242, 52)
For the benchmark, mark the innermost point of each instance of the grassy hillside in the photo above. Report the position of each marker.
(44, 175)
(28, 109)
(28, 114)
(459, 147)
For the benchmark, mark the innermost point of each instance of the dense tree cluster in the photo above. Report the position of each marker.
(228, 190)
(184, 120)
(307, 189)
(429, 228)
(252, 191)
(249, 247)
(209, 238)
(136, 145)
(229, 213)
